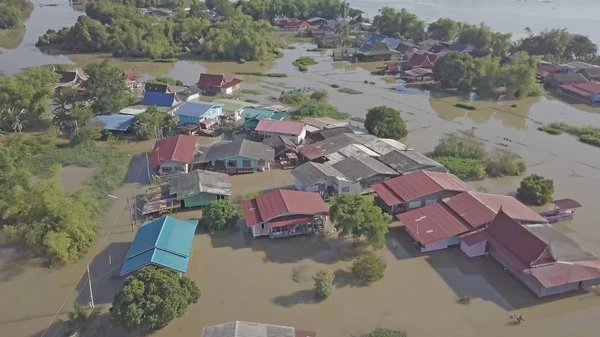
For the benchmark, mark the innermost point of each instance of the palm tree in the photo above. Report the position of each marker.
(11, 116)
(77, 318)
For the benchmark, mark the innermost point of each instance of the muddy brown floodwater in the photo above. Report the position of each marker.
(270, 280)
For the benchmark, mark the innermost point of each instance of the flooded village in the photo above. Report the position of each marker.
(251, 274)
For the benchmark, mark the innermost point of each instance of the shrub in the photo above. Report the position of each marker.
(535, 190)
(319, 95)
(349, 91)
(358, 119)
(379, 332)
(242, 61)
(549, 130)
(312, 108)
(314, 49)
(462, 147)
(220, 215)
(464, 168)
(324, 283)
(366, 82)
(303, 68)
(368, 268)
(385, 122)
(465, 300)
(590, 139)
(465, 106)
(576, 130)
(303, 63)
(513, 105)
(503, 164)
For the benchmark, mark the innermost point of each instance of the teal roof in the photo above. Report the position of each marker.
(165, 242)
(258, 114)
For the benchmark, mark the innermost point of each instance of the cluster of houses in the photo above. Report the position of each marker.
(578, 80)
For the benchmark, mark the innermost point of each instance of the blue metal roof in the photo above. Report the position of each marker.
(391, 42)
(116, 122)
(158, 98)
(194, 109)
(374, 38)
(164, 242)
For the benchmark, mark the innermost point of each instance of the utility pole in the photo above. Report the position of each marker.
(148, 168)
(130, 214)
(90, 284)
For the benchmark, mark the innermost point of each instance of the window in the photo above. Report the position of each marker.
(232, 163)
(414, 204)
(246, 163)
(345, 189)
(220, 197)
(430, 201)
(262, 226)
(167, 169)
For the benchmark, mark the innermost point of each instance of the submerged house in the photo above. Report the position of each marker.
(416, 189)
(218, 84)
(165, 242)
(254, 115)
(554, 81)
(234, 107)
(130, 78)
(283, 213)
(71, 79)
(240, 156)
(406, 161)
(199, 113)
(588, 92)
(251, 329)
(378, 51)
(199, 188)
(293, 130)
(173, 155)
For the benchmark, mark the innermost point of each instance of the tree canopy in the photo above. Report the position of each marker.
(444, 29)
(301, 9)
(153, 122)
(106, 89)
(324, 283)
(11, 11)
(368, 268)
(399, 24)
(558, 45)
(152, 298)
(219, 215)
(535, 190)
(356, 216)
(385, 122)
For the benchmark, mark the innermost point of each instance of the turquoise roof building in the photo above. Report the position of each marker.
(165, 242)
(253, 115)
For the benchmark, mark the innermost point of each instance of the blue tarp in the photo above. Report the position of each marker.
(165, 242)
(158, 98)
(194, 109)
(116, 122)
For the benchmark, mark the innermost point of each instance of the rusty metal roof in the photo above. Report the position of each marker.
(432, 223)
(565, 204)
(285, 127)
(278, 203)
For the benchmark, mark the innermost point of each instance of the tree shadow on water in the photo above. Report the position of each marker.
(306, 296)
(14, 261)
(346, 278)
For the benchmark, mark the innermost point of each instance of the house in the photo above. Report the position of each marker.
(133, 110)
(199, 187)
(378, 51)
(185, 93)
(406, 161)
(130, 78)
(281, 145)
(574, 66)
(196, 112)
(218, 84)
(316, 21)
(545, 260)
(315, 124)
(157, 87)
(173, 155)
(418, 75)
(544, 70)
(556, 80)
(417, 189)
(289, 129)
(328, 40)
(442, 224)
(591, 73)
(319, 135)
(253, 115)
(352, 150)
(116, 122)
(292, 25)
(240, 156)
(71, 79)
(165, 242)
(319, 150)
(461, 47)
(353, 175)
(392, 68)
(160, 99)
(234, 107)
(588, 92)
(426, 45)
(283, 213)
(251, 329)
(374, 39)
(424, 60)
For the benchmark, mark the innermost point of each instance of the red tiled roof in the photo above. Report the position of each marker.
(291, 220)
(511, 206)
(180, 148)
(566, 204)
(218, 81)
(575, 90)
(432, 223)
(129, 74)
(295, 24)
(286, 127)
(274, 204)
(515, 242)
(417, 184)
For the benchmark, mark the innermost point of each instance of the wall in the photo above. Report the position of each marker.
(260, 230)
(587, 284)
(595, 98)
(440, 244)
(201, 199)
(213, 113)
(477, 249)
(565, 288)
(174, 167)
(310, 188)
(439, 197)
(350, 187)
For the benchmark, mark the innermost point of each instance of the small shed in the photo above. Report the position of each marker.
(116, 122)
(165, 242)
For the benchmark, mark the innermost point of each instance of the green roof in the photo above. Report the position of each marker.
(377, 48)
(233, 105)
(165, 242)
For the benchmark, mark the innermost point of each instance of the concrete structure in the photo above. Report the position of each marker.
(173, 155)
(165, 242)
(240, 156)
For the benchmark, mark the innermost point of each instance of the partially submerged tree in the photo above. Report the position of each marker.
(324, 283)
(385, 122)
(356, 216)
(153, 123)
(219, 215)
(535, 190)
(106, 89)
(368, 268)
(152, 298)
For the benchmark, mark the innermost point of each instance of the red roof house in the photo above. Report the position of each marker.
(218, 84)
(586, 91)
(284, 213)
(416, 189)
(129, 74)
(293, 24)
(296, 131)
(174, 154)
(420, 60)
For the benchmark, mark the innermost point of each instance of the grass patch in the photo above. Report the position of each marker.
(251, 92)
(378, 72)
(335, 86)
(549, 130)
(587, 134)
(468, 169)
(303, 63)
(110, 164)
(349, 91)
(316, 49)
(465, 106)
(590, 139)
(261, 74)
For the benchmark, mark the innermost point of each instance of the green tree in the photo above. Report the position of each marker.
(444, 29)
(485, 40)
(324, 283)
(488, 74)
(106, 89)
(167, 80)
(454, 69)
(153, 121)
(356, 216)
(219, 215)
(385, 122)
(379, 332)
(535, 190)
(520, 77)
(152, 298)
(10, 16)
(402, 24)
(368, 268)
(319, 95)
(458, 146)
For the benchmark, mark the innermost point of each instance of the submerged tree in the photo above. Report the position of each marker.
(535, 190)
(385, 122)
(106, 89)
(368, 268)
(324, 283)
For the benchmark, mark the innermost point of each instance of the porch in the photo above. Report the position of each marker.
(296, 225)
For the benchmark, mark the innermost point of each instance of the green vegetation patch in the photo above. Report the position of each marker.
(251, 92)
(349, 91)
(590, 139)
(467, 169)
(314, 106)
(303, 63)
(465, 106)
(549, 130)
(261, 74)
(587, 134)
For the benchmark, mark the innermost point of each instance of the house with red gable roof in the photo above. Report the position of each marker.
(416, 189)
(173, 155)
(283, 213)
(293, 130)
(218, 84)
(130, 78)
(420, 59)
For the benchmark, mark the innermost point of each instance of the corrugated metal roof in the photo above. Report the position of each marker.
(194, 109)
(243, 148)
(285, 127)
(248, 329)
(470, 209)
(311, 173)
(408, 161)
(159, 99)
(511, 206)
(180, 148)
(565, 204)
(358, 150)
(333, 144)
(274, 204)
(116, 122)
(357, 168)
(165, 242)
(432, 223)
(233, 105)
(199, 181)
